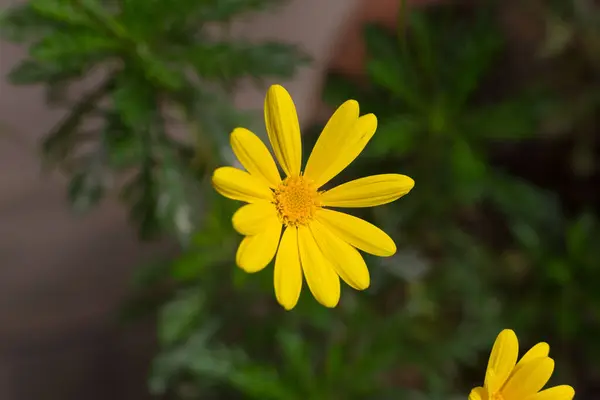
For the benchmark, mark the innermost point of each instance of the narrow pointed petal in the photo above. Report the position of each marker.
(502, 360)
(357, 232)
(354, 141)
(236, 184)
(283, 129)
(254, 218)
(478, 393)
(256, 252)
(369, 191)
(322, 280)
(529, 379)
(288, 271)
(562, 392)
(254, 156)
(346, 260)
(331, 139)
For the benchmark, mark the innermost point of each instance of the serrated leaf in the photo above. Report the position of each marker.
(59, 143)
(31, 72)
(224, 10)
(20, 23)
(179, 203)
(233, 60)
(74, 47)
(124, 147)
(135, 101)
(159, 71)
(87, 187)
(141, 195)
(61, 11)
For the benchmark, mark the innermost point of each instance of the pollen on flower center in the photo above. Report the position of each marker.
(296, 200)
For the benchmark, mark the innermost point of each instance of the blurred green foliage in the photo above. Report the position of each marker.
(501, 229)
(156, 82)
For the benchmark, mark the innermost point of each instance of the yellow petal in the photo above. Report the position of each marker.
(288, 272)
(256, 252)
(367, 192)
(240, 185)
(502, 360)
(539, 350)
(322, 280)
(529, 379)
(254, 156)
(478, 393)
(346, 260)
(283, 129)
(254, 218)
(352, 143)
(357, 232)
(331, 139)
(562, 392)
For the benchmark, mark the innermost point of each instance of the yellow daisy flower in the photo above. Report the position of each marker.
(505, 379)
(317, 242)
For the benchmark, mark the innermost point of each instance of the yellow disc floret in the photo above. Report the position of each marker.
(296, 200)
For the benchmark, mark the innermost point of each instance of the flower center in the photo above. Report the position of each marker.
(497, 396)
(296, 200)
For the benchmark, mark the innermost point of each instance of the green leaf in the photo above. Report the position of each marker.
(261, 382)
(579, 234)
(64, 11)
(388, 68)
(179, 317)
(158, 71)
(141, 194)
(296, 359)
(197, 356)
(74, 47)
(60, 142)
(424, 49)
(469, 170)
(213, 115)
(29, 72)
(179, 201)
(396, 136)
(225, 10)
(339, 88)
(125, 147)
(20, 23)
(523, 202)
(234, 60)
(508, 120)
(380, 42)
(135, 101)
(471, 61)
(87, 187)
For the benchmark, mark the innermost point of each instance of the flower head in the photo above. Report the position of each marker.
(317, 242)
(505, 379)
